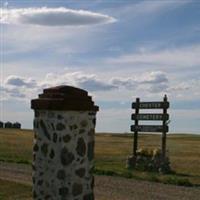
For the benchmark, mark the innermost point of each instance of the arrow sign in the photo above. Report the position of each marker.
(151, 105)
(149, 128)
(150, 116)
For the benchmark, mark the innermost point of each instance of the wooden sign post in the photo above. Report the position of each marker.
(136, 124)
(164, 117)
(164, 130)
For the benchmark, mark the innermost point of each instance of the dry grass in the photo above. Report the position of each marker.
(16, 145)
(14, 191)
(183, 150)
(111, 152)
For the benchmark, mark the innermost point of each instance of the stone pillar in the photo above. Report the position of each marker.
(63, 150)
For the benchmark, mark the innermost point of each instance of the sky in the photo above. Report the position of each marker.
(116, 50)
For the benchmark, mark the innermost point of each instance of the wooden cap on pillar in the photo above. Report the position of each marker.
(64, 98)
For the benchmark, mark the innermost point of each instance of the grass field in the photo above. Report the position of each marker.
(14, 191)
(111, 151)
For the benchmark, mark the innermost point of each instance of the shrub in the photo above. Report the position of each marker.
(151, 160)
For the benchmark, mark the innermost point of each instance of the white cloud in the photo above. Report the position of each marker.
(187, 89)
(149, 8)
(180, 87)
(53, 17)
(177, 57)
(128, 83)
(155, 82)
(143, 84)
(155, 77)
(20, 87)
(78, 79)
(20, 81)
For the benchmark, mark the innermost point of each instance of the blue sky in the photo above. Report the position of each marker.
(117, 50)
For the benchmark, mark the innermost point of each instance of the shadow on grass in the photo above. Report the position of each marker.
(154, 177)
(18, 161)
(185, 175)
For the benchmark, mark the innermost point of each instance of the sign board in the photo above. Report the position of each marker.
(137, 117)
(150, 116)
(150, 105)
(149, 128)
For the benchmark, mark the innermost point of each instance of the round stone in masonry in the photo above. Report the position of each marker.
(47, 197)
(81, 147)
(80, 172)
(90, 150)
(61, 174)
(60, 127)
(55, 137)
(66, 157)
(66, 138)
(88, 196)
(63, 191)
(91, 169)
(94, 121)
(35, 147)
(34, 156)
(40, 182)
(35, 124)
(37, 113)
(44, 149)
(33, 179)
(73, 127)
(91, 132)
(41, 173)
(77, 189)
(92, 182)
(51, 114)
(34, 194)
(53, 127)
(44, 129)
(84, 123)
(60, 117)
(81, 131)
(52, 154)
(35, 135)
(33, 167)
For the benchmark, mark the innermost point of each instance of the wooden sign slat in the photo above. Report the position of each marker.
(149, 128)
(151, 105)
(150, 116)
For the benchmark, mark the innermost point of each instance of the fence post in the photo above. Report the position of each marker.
(63, 151)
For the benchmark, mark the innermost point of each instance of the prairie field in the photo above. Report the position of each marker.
(111, 151)
(12, 190)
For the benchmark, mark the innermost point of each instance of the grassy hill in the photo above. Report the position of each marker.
(111, 151)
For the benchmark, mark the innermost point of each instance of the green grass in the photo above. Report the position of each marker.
(112, 150)
(14, 191)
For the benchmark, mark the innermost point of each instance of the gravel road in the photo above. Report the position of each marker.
(113, 188)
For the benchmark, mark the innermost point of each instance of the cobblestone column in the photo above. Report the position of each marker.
(63, 150)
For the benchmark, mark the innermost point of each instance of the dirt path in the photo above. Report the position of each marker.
(16, 172)
(112, 188)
